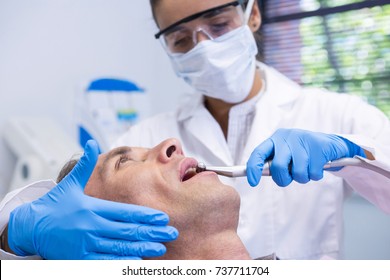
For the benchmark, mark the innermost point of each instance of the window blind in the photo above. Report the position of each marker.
(341, 45)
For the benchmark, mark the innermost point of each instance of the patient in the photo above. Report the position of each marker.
(204, 210)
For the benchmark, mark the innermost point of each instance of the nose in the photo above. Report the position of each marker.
(168, 149)
(200, 35)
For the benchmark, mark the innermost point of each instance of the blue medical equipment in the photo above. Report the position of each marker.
(106, 110)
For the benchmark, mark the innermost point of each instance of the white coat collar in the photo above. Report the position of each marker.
(279, 88)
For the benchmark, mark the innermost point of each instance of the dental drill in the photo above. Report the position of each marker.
(240, 170)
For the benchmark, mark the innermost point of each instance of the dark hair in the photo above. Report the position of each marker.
(258, 34)
(66, 169)
(259, 42)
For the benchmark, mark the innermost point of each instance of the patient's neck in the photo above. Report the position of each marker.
(224, 245)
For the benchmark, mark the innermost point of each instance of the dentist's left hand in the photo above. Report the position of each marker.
(67, 224)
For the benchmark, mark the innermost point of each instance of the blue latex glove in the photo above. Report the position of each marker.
(67, 224)
(298, 155)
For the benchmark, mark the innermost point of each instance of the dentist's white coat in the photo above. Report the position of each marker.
(296, 222)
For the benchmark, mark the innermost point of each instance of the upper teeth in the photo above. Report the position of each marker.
(189, 170)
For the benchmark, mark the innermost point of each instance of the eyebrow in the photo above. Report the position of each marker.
(215, 12)
(207, 15)
(174, 29)
(111, 155)
(194, 16)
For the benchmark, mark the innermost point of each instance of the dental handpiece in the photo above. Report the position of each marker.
(231, 171)
(240, 170)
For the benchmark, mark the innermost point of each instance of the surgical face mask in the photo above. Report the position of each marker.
(223, 68)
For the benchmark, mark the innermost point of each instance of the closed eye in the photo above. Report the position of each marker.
(219, 28)
(122, 159)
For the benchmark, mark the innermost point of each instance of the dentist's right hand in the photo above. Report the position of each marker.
(67, 224)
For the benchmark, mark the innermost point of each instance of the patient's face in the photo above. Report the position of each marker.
(164, 179)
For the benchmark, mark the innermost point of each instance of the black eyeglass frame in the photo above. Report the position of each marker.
(195, 16)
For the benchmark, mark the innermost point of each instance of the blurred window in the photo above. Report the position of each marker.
(341, 45)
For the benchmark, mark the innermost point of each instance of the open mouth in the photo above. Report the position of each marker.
(191, 172)
(187, 169)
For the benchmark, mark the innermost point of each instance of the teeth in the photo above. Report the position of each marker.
(189, 170)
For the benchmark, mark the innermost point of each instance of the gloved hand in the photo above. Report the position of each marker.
(67, 224)
(298, 155)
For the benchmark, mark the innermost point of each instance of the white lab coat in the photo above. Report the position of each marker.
(299, 221)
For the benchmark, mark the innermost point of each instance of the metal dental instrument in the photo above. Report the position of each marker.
(240, 171)
(230, 171)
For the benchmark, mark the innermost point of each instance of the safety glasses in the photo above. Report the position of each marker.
(184, 35)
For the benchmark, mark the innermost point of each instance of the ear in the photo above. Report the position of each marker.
(255, 18)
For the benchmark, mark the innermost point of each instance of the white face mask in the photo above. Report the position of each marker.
(223, 68)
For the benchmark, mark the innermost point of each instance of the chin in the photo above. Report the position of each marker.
(231, 195)
(236, 198)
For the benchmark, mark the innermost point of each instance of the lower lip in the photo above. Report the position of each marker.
(204, 173)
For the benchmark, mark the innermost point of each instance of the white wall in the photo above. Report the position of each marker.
(49, 47)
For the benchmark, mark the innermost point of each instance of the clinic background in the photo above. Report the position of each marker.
(51, 50)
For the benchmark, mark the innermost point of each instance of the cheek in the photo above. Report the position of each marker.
(94, 187)
(140, 188)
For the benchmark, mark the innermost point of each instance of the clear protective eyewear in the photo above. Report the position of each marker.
(183, 36)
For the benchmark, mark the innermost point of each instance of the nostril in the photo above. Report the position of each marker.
(171, 150)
